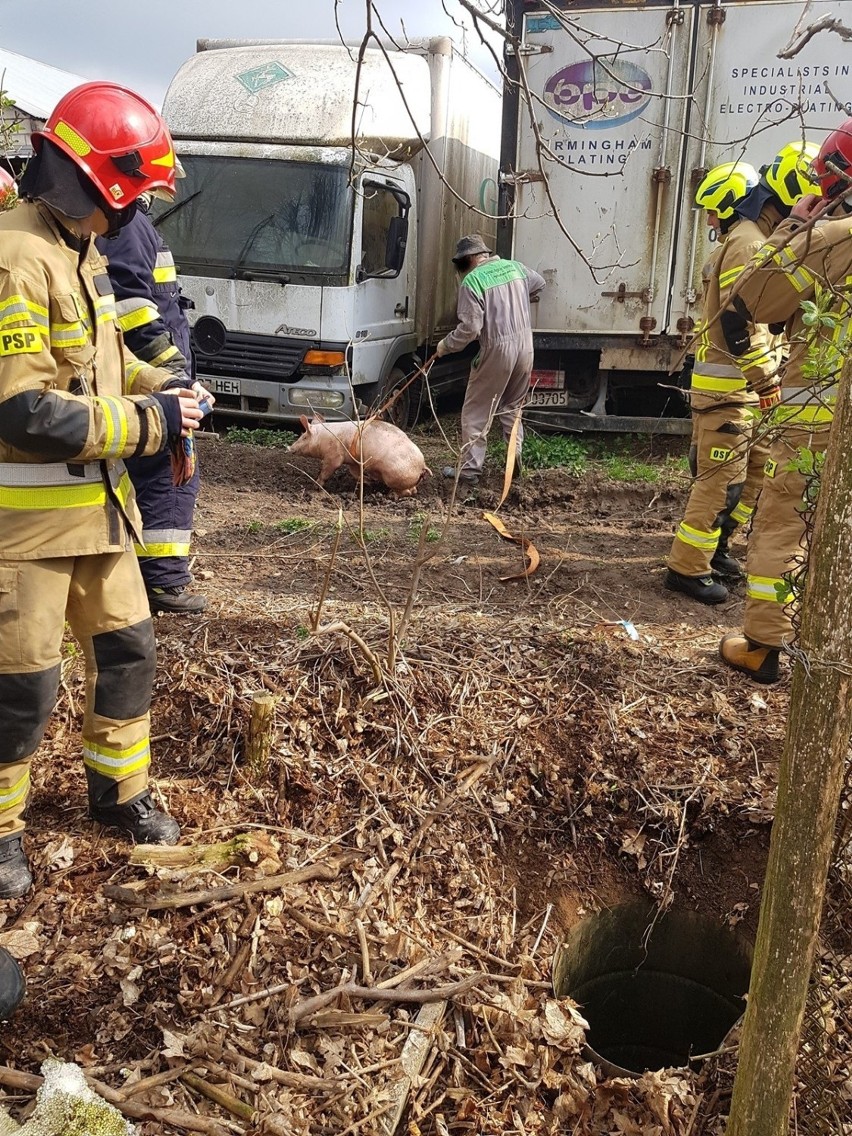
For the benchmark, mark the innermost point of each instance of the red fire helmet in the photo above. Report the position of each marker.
(836, 152)
(116, 138)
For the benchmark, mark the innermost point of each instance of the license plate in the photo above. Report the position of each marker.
(547, 380)
(548, 398)
(223, 386)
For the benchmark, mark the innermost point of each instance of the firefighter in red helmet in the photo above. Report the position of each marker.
(74, 403)
(832, 167)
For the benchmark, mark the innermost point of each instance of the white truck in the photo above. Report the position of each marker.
(322, 203)
(631, 104)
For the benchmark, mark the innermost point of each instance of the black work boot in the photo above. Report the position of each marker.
(723, 564)
(141, 818)
(467, 480)
(176, 601)
(702, 588)
(12, 985)
(15, 875)
(749, 658)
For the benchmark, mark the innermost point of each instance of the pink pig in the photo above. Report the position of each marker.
(385, 452)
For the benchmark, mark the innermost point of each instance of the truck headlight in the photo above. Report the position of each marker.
(319, 399)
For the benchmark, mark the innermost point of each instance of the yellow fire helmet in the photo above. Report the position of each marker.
(725, 185)
(787, 175)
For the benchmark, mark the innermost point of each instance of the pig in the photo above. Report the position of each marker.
(386, 454)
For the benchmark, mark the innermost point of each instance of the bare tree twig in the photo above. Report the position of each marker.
(323, 870)
(826, 23)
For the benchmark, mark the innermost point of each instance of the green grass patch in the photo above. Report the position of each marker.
(625, 469)
(620, 458)
(371, 536)
(546, 451)
(276, 439)
(292, 525)
(415, 528)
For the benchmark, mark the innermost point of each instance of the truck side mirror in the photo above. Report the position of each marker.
(396, 243)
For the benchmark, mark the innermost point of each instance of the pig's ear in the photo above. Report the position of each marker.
(306, 426)
(318, 418)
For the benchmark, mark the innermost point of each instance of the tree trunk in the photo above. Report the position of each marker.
(810, 782)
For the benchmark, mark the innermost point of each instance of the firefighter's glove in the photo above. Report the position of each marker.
(441, 349)
(170, 406)
(182, 454)
(736, 332)
(770, 398)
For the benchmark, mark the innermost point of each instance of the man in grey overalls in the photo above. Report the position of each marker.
(493, 307)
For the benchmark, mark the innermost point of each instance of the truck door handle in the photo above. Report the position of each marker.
(401, 310)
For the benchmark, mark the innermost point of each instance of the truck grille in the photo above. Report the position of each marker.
(249, 356)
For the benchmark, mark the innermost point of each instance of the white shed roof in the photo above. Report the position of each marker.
(34, 87)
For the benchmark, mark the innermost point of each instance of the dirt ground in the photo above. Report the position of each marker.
(469, 765)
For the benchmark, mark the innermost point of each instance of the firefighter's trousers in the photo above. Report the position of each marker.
(167, 517)
(729, 462)
(497, 387)
(103, 599)
(778, 538)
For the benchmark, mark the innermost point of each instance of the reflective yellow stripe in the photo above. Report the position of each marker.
(116, 763)
(766, 588)
(20, 304)
(805, 396)
(726, 278)
(105, 309)
(164, 542)
(115, 424)
(52, 498)
(163, 357)
(15, 793)
(741, 513)
(82, 496)
(802, 414)
(798, 275)
(758, 353)
(24, 319)
(68, 334)
(144, 551)
(706, 541)
(165, 275)
(138, 317)
(707, 383)
(131, 374)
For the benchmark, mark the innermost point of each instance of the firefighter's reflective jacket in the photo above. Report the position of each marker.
(148, 300)
(792, 268)
(73, 400)
(734, 369)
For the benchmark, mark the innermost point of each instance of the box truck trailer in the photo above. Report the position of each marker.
(614, 112)
(314, 230)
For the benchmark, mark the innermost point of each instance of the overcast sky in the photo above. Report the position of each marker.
(142, 44)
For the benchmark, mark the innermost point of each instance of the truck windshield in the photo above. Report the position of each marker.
(259, 217)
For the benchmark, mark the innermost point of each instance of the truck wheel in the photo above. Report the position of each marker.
(405, 409)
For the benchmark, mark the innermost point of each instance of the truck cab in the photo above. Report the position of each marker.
(298, 229)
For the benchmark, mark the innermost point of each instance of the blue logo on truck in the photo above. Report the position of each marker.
(598, 94)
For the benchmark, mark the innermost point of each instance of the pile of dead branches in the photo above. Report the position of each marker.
(357, 936)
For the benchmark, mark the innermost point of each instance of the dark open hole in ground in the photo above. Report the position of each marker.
(656, 989)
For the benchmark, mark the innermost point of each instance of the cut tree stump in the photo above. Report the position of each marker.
(261, 733)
